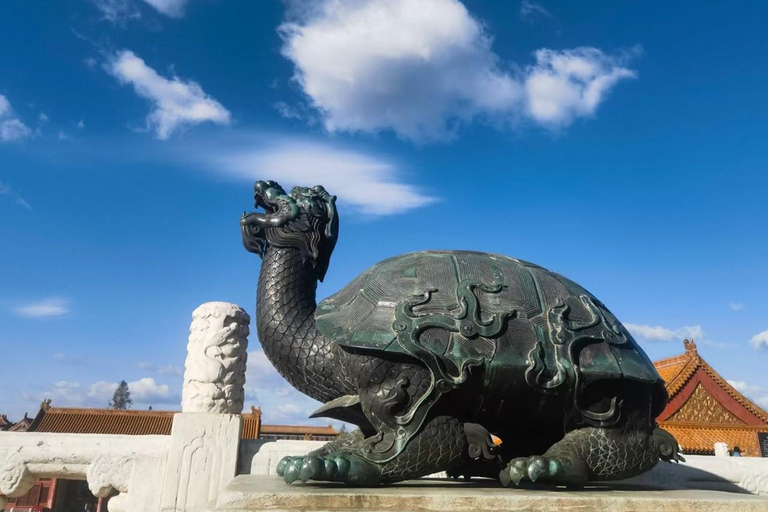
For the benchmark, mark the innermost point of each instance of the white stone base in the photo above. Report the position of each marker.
(252, 492)
(744, 474)
(202, 459)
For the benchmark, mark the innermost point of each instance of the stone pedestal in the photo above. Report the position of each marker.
(202, 459)
(251, 492)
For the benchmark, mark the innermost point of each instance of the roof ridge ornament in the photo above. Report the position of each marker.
(690, 345)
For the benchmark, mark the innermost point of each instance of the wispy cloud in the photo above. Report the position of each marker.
(735, 306)
(167, 369)
(144, 392)
(171, 8)
(280, 403)
(760, 340)
(72, 360)
(758, 394)
(659, 333)
(11, 127)
(50, 307)
(530, 11)
(176, 103)
(370, 184)
(120, 11)
(7, 191)
(117, 11)
(423, 68)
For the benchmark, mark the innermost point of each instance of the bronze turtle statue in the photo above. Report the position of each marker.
(431, 353)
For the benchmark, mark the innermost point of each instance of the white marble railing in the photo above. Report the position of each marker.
(108, 463)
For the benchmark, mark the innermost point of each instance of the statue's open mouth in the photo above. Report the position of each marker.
(279, 208)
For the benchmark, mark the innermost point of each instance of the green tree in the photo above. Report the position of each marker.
(122, 397)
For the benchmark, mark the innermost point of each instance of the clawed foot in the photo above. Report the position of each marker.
(334, 467)
(541, 468)
(667, 447)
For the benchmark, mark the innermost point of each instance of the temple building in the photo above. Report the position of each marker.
(703, 409)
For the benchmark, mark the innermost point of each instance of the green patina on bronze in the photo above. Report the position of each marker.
(512, 345)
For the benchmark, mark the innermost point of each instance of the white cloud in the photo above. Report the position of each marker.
(144, 391)
(5, 106)
(760, 340)
(53, 306)
(530, 11)
(659, 333)
(757, 394)
(735, 306)
(569, 84)
(743, 386)
(171, 8)
(66, 392)
(11, 128)
(369, 184)
(7, 191)
(118, 11)
(279, 402)
(423, 68)
(176, 103)
(259, 367)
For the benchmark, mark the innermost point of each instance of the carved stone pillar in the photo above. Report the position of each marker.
(205, 438)
(216, 355)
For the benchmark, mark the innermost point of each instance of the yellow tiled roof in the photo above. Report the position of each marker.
(142, 423)
(103, 421)
(701, 439)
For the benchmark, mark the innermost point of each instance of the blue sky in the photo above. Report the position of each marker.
(622, 145)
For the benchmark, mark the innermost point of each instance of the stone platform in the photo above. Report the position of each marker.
(256, 492)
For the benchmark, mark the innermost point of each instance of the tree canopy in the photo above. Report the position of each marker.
(122, 397)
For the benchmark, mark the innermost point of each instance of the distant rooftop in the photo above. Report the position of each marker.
(138, 423)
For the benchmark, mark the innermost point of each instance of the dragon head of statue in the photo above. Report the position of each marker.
(306, 219)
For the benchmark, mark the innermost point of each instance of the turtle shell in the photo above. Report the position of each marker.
(546, 325)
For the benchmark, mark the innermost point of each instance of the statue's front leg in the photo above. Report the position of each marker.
(440, 446)
(388, 389)
(335, 461)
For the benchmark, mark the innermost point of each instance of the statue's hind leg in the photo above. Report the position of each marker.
(595, 454)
